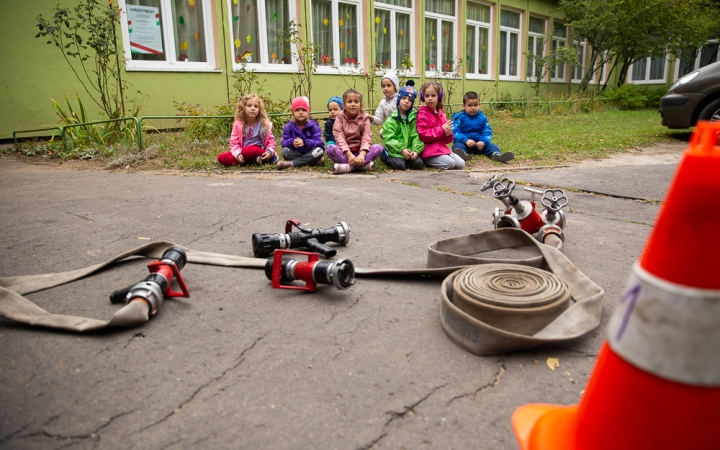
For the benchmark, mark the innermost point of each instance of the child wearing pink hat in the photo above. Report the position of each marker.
(301, 138)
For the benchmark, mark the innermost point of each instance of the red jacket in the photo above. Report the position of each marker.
(430, 130)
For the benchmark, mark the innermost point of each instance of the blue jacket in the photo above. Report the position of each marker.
(310, 134)
(328, 133)
(474, 127)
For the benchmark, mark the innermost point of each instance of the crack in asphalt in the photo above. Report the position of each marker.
(345, 310)
(394, 415)
(92, 434)
(498, 377)
(14, 433)
(176, 410)
(80, 216)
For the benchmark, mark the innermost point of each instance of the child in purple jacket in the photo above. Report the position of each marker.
(301, 138)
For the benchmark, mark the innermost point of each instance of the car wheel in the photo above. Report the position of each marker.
(711, 112)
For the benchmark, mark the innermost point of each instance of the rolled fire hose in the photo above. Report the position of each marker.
(488, 305)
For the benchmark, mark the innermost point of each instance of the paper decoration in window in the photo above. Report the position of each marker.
(247, 9)
(402, 32)
(236, 18)
(342, 45)
(237, 43)
(347, 15)
(377, 20)
(181, 19)
(235, 1)
(387, 63)
(247, 56)
(275, 17)
(348, 31)
(237, 59)
(325, 21)
(385, 48)
(445, 31)
(197, 36)
(384, 30)
(341, 22)
(483, 47)
(375, 34)
(184, 45)
(325, 59)
(248, 38)
(432, 37)
(191, 2)
(273, 58)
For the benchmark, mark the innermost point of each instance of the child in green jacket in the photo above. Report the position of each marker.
(402, 143)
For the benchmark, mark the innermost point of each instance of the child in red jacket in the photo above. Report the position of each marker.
(251, 140)
(435, 130)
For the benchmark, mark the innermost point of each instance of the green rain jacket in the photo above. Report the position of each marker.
(399, 133)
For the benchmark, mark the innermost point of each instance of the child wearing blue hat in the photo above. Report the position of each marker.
(403, 145)
(334, 107)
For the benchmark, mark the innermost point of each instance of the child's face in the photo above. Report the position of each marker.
(471, 107)
(301, 115)
(405, 104)
(388, 87)
(252, 108)
(353, 105)
(333, 109)
(431, 97)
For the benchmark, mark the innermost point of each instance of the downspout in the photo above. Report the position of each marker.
(228, 69)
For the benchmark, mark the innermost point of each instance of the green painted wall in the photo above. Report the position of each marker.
(32, 72)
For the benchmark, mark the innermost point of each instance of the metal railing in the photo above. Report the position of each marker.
(492, 107)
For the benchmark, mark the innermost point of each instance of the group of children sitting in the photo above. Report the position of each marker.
(413, 139)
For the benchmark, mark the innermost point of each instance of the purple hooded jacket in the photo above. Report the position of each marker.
(310, 134)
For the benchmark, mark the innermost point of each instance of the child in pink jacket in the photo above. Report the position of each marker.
(252, 140)
(434, 129)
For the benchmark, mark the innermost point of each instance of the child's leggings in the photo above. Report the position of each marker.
(337, 155)
(248, 153)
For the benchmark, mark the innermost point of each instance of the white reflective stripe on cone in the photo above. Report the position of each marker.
(669, 330)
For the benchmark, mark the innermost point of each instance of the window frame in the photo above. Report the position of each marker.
(696, 62)
(583, 62)
(329, 70)
(518, 61)
(171, 64)
(489, 27)
(559, 40)
(262, 66)
(393, 33)
(535, 36)
(439, 18)
(648, 68)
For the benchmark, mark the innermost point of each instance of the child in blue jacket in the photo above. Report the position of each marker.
(301, 138)
(473, 132)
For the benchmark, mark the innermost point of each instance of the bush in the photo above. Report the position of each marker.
(632, 96)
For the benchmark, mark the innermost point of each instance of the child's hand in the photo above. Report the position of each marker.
(413, 156)
(240, 159)
(448, 128)
(480, 145)
(470, 143)
(356, 161)
(298, 142)
(405, 153)
(265, 156)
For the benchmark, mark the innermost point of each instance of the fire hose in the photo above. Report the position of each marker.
(571, 311)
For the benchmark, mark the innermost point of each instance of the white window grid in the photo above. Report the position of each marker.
(336, 40)
(510, 31)
(533, 39)
(393, 32)
(601, 75)
(439, 18)
(648, 68)
(171, 64)
(557, 73)
(578, 72)
(264, 64)
(476, 57)
(696, 62)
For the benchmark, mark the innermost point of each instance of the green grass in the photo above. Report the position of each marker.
(564, 137)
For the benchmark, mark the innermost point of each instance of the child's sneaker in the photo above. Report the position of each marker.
(461, 153)
(259, 161)
(384, 155)
(321, 161)
(274, 159)
(283, 165)
(367, 166)
(503, 157)
(341, 168)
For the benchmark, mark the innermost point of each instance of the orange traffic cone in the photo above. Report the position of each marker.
(656, 383)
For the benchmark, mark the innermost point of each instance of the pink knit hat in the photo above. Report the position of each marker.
(300, 102)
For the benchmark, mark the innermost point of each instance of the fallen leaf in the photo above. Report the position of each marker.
(553, 363)
(143, 239)
(159, 216)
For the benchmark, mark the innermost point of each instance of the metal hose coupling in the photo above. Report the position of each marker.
(551, 235)
(283, 271)
(312, 239)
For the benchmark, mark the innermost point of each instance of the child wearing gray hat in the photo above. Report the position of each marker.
(390, 86)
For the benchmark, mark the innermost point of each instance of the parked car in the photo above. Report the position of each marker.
(696, 96)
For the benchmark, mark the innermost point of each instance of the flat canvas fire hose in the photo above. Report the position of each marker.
(490, 306)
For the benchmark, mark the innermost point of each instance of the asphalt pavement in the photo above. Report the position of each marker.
(240, 365)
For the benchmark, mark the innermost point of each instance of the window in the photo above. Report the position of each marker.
(579, 71)
(393, 32)
(478, 41)
(557, 73)
(440, 35)
(692, 59)
(600, 75)
(168, 35)
(509, 45)
(536, 45)
(336, 28)
(259, 30)
(648, 70)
